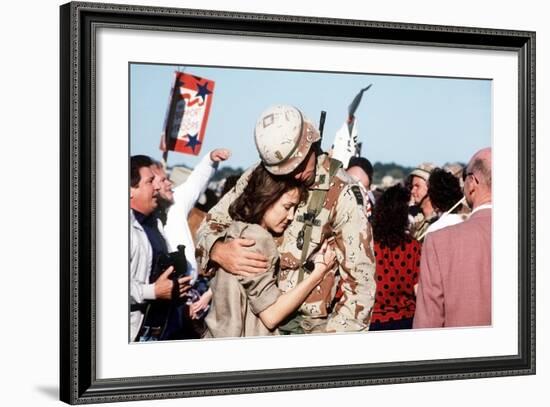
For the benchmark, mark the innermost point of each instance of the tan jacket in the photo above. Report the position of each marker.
(455, 275)
(237, 301)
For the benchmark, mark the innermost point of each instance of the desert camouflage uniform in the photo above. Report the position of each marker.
(418, 229)
(341, 217)
(420, 223)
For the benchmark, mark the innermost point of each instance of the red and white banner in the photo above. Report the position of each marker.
(187, 114)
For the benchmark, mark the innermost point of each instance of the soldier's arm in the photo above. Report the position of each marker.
(232, 255)
(356, 264)
(291, 300)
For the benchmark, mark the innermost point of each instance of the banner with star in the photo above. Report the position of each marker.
(187, 114)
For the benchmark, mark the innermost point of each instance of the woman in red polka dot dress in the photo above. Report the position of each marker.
(397, 262)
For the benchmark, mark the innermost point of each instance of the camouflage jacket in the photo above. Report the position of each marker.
(342, 217)
(419, 228)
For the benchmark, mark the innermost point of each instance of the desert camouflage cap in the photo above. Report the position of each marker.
(423, 171)
(283, 137)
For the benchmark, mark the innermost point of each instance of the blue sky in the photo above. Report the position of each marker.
(404, 119)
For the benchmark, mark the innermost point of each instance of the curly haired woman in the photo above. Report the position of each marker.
(445, 194)
(397, 261)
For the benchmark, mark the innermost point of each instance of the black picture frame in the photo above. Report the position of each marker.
(78, 381)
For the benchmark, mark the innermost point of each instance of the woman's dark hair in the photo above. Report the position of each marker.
(262, 191)
(444, 190)
(390, 219)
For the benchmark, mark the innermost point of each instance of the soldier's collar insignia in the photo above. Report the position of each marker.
(358, 195)
(321, 176)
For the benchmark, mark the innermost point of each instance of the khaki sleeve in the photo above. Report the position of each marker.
(355, 254)
(224, 318)
(214, 225)
(261, 289)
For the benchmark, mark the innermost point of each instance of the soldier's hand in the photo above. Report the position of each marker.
(233, 257)
(163, 285)
(220, 154)
(326, 258)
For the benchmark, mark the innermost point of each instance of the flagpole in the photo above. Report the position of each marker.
(167, 130)
(164, 160)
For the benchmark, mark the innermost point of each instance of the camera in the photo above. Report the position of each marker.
(178, 261)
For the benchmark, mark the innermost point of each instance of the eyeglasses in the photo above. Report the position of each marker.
(467, 174)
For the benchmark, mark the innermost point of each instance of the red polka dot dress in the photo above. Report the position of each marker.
(396, 274)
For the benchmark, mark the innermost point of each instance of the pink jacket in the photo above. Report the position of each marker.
(455, 275)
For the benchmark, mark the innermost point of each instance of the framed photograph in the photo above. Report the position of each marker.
(423, 93)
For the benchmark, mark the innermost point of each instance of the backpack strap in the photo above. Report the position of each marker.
(310, 218)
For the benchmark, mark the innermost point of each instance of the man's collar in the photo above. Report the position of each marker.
(143, 219)
(488, 205)
(140, 217)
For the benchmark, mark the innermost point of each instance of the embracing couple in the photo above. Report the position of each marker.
(290, 244)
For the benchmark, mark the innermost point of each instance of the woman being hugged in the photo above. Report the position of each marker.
(254, 305)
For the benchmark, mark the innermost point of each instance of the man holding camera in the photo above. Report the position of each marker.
(147, 245)
(174, 205)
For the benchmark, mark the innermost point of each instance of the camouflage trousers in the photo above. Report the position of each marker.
(298, 324)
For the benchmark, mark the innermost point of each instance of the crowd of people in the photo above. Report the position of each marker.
(299, 244)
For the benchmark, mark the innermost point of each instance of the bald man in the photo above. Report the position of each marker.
(455, 271)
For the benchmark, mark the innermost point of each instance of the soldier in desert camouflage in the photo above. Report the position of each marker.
(290, 145)
(420, 200)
